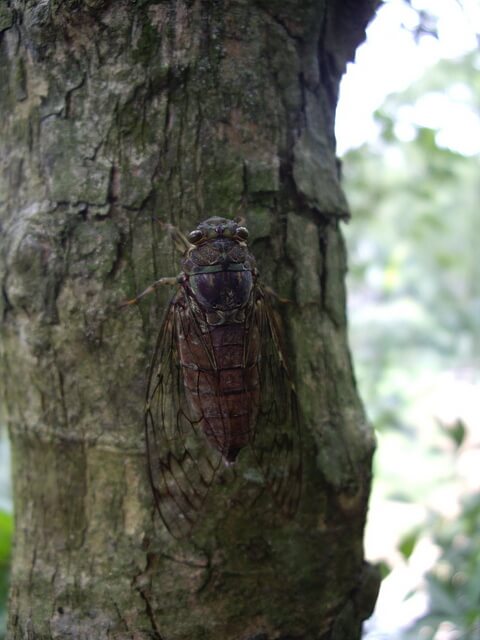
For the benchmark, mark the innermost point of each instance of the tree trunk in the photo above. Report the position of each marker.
(114, 115)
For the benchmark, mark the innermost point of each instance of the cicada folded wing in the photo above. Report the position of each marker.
(181, 464)
(201, 409)
(277, 436)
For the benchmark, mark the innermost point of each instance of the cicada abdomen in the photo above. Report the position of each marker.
(221, 384)
(218, 381)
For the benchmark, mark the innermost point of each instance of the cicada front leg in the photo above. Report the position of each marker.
(269, 292)
(150, 289)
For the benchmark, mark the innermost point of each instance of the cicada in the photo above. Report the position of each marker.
(218, 382)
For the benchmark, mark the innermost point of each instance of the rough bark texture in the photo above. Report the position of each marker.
(111, 114)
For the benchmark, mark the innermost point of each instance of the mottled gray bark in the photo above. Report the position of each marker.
(112, 114)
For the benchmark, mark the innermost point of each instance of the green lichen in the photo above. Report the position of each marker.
(263, 175)
(303, 249)
(6, 17)
(148, 44)
(223, 183)
(93, 249)
(260, 221)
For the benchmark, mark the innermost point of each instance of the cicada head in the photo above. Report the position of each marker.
(217, 227)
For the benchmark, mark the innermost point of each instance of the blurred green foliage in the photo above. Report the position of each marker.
(414, 269)
(414, 316)
(6, 527)
(454, 582)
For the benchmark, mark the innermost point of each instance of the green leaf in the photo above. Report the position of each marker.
(456, 431)
(384, 568)
(6, 530)
(408, 542)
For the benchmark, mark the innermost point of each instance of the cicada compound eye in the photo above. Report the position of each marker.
(195, 236)
(242, 233)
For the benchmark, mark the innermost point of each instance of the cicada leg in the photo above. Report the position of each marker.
(179, 239)
(150, 289)
(273, 294)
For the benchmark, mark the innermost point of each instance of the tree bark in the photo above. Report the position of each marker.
(114, 114)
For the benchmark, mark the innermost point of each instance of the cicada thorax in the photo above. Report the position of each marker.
(219, 350)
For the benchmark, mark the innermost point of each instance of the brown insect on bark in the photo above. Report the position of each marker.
(218, 380)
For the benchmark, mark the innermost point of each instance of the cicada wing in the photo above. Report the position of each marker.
(277, 436)
(181, 464)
